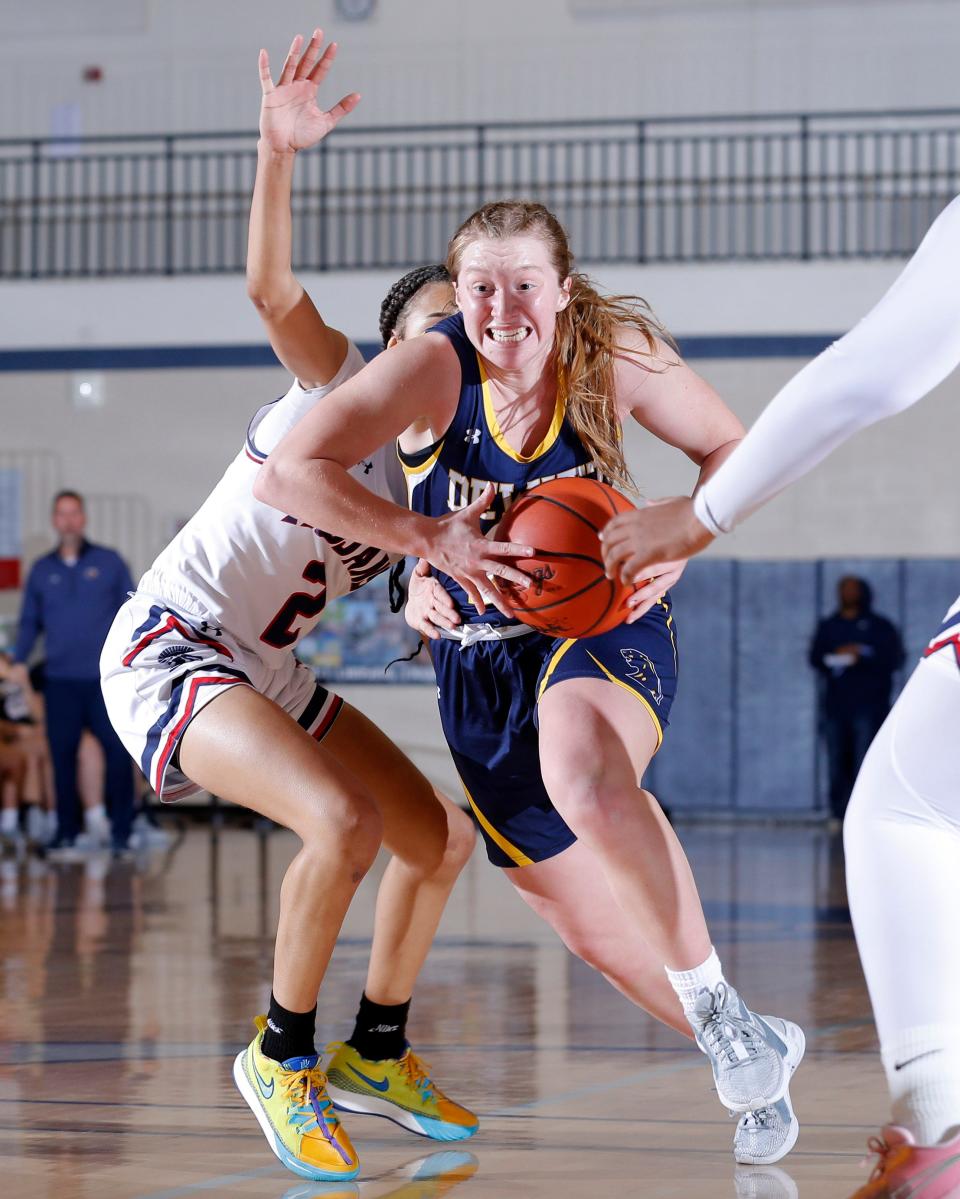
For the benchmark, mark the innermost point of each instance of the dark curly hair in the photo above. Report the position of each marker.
(393, 310)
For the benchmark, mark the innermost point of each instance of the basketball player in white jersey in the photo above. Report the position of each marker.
(202, 686)
(902, 830)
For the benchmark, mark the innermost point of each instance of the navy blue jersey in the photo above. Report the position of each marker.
(473, 452)
(489, 691)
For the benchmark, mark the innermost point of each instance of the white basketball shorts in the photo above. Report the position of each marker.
(161, 665)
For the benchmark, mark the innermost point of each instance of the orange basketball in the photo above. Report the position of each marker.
(569, 595)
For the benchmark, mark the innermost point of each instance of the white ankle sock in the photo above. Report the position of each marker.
(923, 1072)
(8, 820)
(689, 983)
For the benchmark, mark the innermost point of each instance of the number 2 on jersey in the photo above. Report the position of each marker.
(280, 633)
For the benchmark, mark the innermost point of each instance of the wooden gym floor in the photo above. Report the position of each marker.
(127, 988)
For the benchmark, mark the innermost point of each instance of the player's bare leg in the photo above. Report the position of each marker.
(595, 744)
(246, 749)
(572, 895)
(596, 741)
(431, 841)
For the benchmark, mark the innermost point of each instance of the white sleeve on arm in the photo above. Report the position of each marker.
(900, 351)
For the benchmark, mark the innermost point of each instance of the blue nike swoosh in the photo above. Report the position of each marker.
(371, 1082)
(264, 1091)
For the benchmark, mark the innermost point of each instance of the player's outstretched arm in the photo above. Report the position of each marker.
(899, 352)
(290, 121)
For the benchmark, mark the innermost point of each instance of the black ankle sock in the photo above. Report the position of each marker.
(288, 1034)
(381, 1030)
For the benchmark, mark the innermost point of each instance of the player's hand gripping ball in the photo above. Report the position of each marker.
(569, 595)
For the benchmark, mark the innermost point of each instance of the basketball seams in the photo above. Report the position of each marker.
(605, 492)
(547, 499)
(611, 599)
(564, 599)
(567, 555)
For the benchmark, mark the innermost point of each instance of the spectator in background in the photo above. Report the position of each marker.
(71, 597)
(21, 726)
(856, 652)
(12, 770)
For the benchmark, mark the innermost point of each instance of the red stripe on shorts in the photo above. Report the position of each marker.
(171, 624)
(170, 744)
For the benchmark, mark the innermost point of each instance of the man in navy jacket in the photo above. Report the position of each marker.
(856, 652)
(71, 597)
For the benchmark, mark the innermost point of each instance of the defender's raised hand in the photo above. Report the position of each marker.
(290, 118)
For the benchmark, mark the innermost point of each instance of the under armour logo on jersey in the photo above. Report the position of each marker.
(644, 671)
(472, 437)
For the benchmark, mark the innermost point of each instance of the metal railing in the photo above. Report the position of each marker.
(681, 189)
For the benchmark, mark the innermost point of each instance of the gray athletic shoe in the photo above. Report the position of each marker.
(766, 1135)
(750, 1054)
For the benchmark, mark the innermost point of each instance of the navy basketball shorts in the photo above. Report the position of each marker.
(488, 694)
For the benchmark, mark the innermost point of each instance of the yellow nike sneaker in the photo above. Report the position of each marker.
(293, 1108)
(400, 1089)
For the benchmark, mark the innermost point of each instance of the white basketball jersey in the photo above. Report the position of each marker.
(263, 576)
(948, 634)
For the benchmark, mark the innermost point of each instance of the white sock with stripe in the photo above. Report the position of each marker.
(689, 983)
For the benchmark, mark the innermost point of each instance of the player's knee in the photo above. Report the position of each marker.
(461, 838)
(351, 832)
(442, 851)
(594, 804)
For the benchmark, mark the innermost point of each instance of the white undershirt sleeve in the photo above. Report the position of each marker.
(900, 351)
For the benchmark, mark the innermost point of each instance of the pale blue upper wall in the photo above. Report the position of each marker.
(174, 65)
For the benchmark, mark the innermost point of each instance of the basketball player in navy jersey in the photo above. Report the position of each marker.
(902, 828)
(531, 380)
